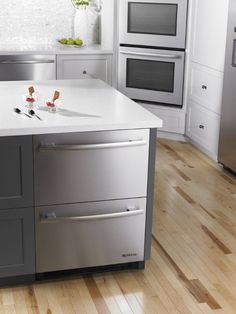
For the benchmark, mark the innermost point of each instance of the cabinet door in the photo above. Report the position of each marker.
(209, 32)
(203, 128)
(85, 67)
(16, 172)
(206, 86)
(17, 244)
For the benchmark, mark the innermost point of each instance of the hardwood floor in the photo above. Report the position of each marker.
(193, 264)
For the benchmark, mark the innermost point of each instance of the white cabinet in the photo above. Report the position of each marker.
(209, 21)
(206, 71)
(85, 66)
(203, 128)
(206, 87)
(173, 119)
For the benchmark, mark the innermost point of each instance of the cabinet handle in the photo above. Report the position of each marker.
(52, 147)
(53, 219)
(201, 127)
(204, 87)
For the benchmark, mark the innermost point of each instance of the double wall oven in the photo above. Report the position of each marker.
(152, 50)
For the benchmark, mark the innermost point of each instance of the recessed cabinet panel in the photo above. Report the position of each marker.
(203, 127)
(17, 242)
(16, 174)
(84, 167)
(84, 67)
(206, 87)
(209, 32)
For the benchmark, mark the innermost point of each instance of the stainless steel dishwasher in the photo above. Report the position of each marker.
(27, 67)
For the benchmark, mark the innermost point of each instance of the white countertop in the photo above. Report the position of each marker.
(56, 49)
(86, 105)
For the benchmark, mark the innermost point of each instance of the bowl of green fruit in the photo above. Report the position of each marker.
(70, 42)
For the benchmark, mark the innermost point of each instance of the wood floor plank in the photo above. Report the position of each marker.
(96, 295)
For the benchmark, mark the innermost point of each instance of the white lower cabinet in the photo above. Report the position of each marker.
(206, 87)
(85, 67)
(173, 119)
(203, 128)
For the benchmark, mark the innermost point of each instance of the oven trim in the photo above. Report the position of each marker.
(154, 40)
(175, 98)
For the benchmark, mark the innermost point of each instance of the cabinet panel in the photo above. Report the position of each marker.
(84, 67)
(203, 127)
(83, 167)
(206, 87)
(17, 245)
(16, 172)
(173, 120)
(209, 32)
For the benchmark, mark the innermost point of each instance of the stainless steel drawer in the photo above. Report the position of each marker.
(89, 234)
(83, 167)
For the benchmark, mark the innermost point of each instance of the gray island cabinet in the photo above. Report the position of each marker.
(17, 236)
(76, 189)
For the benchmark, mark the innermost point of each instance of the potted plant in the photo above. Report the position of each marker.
(79, 4)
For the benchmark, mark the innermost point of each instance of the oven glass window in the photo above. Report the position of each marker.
(151, 75)
(152, 18)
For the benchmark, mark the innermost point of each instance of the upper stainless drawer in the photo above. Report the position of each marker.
(27, 67)
(83, 167)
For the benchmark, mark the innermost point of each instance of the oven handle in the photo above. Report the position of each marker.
(53, 219)
(159, 55)
(52, 147)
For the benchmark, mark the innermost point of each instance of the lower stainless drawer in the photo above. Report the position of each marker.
(90, 234)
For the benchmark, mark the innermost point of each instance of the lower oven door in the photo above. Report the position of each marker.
(152, 75)
(90, 234)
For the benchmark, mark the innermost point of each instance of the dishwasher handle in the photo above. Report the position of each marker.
(53, 219)
(27, 61)
(53, 147)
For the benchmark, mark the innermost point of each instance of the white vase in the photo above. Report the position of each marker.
(81, 24)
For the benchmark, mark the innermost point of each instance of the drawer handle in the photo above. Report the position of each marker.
(53, 219)
(52, 148)
(204, 87)
(26, 61)
(201, 127)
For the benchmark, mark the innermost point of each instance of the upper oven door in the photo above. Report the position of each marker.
(152, 75)
(158, 23)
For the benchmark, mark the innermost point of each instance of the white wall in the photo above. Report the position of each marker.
(27, 22)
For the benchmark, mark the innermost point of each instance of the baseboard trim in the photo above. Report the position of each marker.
(203, 149)
(172, 136)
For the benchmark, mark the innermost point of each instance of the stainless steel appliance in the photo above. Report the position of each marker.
(227, 143)
(27, 67)
(90, 234)
(90, 198)
(158, 23)
(152, 74)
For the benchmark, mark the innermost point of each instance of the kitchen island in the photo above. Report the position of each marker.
(76, 188)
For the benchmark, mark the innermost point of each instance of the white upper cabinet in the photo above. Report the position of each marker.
(209, 32)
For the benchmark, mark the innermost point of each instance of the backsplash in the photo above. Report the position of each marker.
(36, 23)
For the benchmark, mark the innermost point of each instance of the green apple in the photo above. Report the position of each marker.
(63, 41)
(70, 41)
(78, 42)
